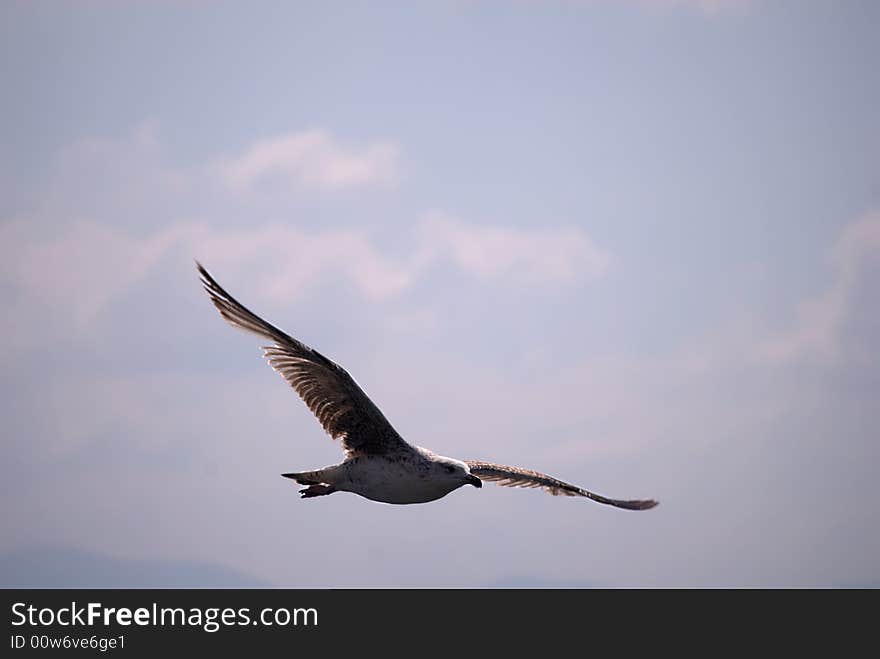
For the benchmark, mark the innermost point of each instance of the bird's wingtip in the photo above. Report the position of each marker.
(207, 279)
(635, 504)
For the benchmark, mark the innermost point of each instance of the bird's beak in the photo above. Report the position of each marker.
(473, 480)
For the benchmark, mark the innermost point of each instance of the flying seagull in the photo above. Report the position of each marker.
(378, 465)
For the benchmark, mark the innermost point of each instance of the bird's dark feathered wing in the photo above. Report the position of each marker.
(519, 477)
(342, 408)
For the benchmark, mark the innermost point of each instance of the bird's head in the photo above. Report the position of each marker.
(456, 471)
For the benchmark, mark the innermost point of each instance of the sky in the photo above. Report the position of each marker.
(632, 244)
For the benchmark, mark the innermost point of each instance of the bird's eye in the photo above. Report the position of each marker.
(450, 469)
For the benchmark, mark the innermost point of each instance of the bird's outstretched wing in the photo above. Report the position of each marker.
(340, 405)
(518, 477)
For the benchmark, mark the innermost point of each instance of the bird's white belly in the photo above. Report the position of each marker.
(393, 482)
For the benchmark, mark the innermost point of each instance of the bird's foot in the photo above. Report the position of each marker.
(317, 491)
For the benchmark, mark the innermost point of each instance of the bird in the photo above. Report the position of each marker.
(379, 464)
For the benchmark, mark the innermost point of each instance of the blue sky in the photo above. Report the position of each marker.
(633, 244)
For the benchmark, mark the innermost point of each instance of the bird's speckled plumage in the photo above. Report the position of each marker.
(519, 477)
(379, 464)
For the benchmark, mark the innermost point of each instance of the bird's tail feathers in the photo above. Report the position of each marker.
(306, 477)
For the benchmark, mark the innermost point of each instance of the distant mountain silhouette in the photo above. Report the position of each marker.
(539, 582)
(67, 567)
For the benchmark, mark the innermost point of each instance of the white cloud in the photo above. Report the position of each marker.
(86, 265)
(83, 266)
(289, 260)
(114, 212)
(312, 159)
(817, 330)
(286, 260)
(533, 255)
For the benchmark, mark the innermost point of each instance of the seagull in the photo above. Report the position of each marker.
(379, 465)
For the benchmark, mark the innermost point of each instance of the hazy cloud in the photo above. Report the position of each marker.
(288, 260)
(533, 255)
(312, 159)
(84, 266)
(79, 267)
(816, 332)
